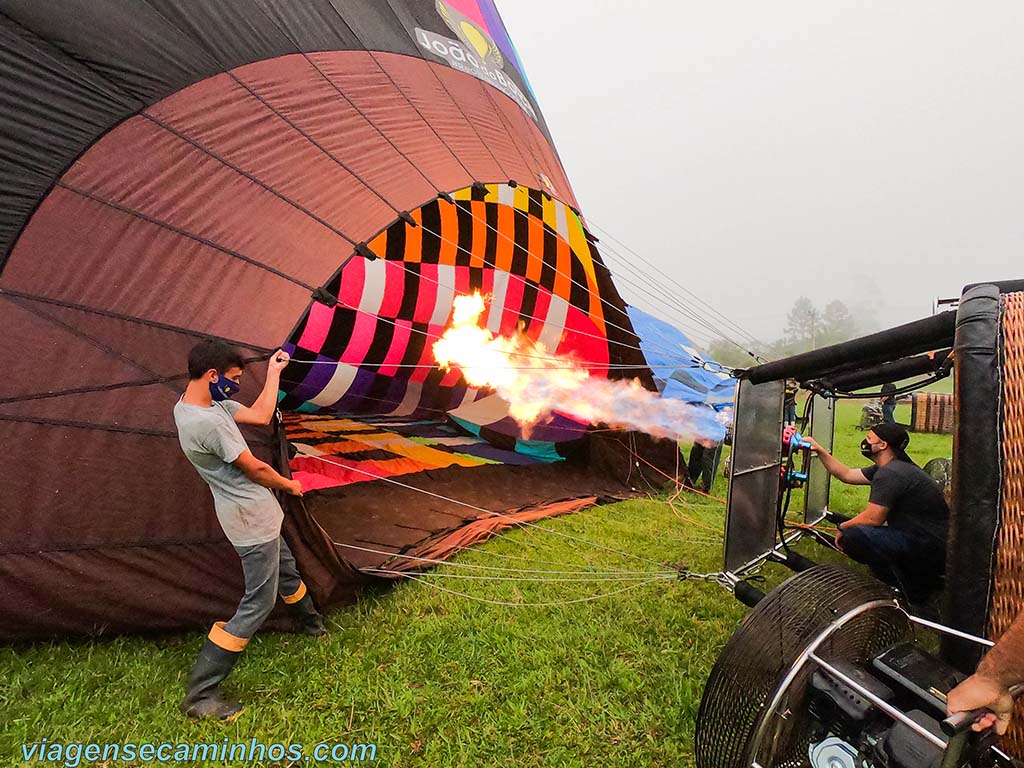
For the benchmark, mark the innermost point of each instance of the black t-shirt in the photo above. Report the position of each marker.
(915, 502)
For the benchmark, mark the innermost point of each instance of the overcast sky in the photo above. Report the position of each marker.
(868, 151)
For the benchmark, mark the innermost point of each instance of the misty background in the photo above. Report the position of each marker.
(862, 155)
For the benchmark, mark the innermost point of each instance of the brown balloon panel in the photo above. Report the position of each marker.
(206, 184)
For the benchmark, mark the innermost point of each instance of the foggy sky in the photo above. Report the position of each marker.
(868, 151)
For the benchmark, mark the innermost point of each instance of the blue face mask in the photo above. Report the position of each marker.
(223, 389)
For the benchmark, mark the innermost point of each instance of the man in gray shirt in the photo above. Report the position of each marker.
(242, 485)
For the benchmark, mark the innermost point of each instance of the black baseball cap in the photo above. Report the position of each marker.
(897, 437)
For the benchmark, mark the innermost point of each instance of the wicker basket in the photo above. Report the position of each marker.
(932, 412)
(1008, 585)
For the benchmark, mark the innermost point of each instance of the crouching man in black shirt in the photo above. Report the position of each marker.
(901, 534)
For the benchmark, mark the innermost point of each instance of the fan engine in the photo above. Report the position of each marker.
(825, 673)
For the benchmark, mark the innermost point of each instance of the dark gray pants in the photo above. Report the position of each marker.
(703, 465)
(269, 570)
(915, 564)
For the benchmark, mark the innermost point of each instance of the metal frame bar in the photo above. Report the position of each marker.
(819, 478)
(950, 631)
(760, 468)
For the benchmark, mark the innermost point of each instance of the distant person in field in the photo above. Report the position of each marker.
(248, 512)
(703, 465)
(703, 462)
(789, 403)
(901, 534)
(889, 403)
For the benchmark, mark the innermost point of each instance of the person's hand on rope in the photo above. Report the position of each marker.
(278, 361)
(294, 488)
(981, 692)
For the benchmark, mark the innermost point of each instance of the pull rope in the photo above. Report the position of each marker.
(467, 505)
(474, 566)
(678, 285)
(534, 579)
(549, 604)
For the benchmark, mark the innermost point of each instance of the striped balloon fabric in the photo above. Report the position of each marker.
(371, 352)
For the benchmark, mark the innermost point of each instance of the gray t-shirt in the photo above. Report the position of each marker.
(248, 513)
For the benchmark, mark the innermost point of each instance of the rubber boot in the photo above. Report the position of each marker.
(311, 622)
(203, 699)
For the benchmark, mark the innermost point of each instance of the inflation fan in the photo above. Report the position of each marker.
(832, 669)
(826, 672)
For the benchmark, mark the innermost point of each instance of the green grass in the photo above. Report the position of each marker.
(440, 680)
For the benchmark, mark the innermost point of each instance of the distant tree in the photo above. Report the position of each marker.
(727, 353)
(803, 325)
(838, 324)
(807, 328)
(781, 348)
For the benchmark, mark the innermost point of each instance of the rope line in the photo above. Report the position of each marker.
(533, 579)
(582, 364)
(528, 535)
(7, 292)
(634, 454)
(473, 566)
(660, 295)
(474, 507)
(697, 298)
(251, 177)
(703, 332)
(185, 233)
(549, 604)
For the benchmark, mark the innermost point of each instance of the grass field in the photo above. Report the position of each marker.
(436, 679)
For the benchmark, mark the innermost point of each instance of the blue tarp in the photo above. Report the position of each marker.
(680, 371)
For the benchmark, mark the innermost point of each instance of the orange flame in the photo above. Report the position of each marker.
(535, 382)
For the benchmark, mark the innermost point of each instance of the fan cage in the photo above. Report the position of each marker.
(734, 727)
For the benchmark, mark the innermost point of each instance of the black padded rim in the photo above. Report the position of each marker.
(977, 480)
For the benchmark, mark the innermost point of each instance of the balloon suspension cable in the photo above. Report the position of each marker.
(657, 292)
(476, 508)
(710, 308)
(562, 367)
(724, 318)
(547, 604)
(499, 569)
(681, 485)
(535, 579)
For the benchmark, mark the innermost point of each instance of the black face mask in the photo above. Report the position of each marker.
(865, 449)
